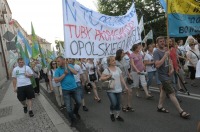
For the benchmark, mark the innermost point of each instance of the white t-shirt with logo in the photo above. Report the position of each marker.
(79, 70)
(19, 74)
(91, 68)
(149, 68)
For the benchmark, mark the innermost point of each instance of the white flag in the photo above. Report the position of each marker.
(141, 25)
(148, 36)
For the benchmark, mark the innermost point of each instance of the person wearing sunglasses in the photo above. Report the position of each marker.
(55, 86)
(193, 57)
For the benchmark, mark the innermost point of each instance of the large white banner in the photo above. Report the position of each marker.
(89, 34)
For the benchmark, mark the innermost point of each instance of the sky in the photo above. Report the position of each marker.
(46, 16)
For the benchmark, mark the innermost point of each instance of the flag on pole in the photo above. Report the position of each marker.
(43, 61)
(141, 25)
(148, 36)
(50, 55)
(23, 40)
(183, 17)
(35, 46)
(22, 53)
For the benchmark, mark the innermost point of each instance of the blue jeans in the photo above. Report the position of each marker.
(115, 100)
(68, 95)
(80, 89)
(150, 77)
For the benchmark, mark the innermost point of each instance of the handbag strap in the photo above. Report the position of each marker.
(195, 54)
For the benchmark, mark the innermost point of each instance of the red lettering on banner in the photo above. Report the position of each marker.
(79, 31)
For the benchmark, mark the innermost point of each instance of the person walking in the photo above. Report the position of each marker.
(92, 72)
(22, 85)
(150, 67)
(65, 75)
(55, 86)
(165, 71)
(124, 66)
(193, 56)
(36, 74)
(114, 94)
(138, 68)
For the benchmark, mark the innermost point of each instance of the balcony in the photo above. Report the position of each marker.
(2, 19)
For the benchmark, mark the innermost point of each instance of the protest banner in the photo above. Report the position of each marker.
(183, 17)
(89, 34)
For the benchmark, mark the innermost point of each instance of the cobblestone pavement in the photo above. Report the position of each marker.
(39, 123)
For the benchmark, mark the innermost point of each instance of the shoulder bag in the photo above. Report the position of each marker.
(108, 84)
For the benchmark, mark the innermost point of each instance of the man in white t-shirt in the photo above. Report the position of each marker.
(78, 77)
(22, 85)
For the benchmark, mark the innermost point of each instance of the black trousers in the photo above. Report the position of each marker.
(37, 88)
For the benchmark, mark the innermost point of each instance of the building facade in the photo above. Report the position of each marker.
(6, 36)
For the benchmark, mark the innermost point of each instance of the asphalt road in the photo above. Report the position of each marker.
(144, 119)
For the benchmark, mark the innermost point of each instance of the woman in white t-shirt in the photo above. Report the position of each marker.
(92, 73)
(150, 67)
(56, 86)
(114, 95)
(193, 57)
(85, 74)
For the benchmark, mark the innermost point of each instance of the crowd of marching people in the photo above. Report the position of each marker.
(119, 75)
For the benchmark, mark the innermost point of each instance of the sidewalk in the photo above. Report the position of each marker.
(13, 119)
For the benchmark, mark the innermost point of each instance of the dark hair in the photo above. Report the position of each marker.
(20, 59)
(51, 66)
(60, 57)
(149, 41)
(134, 47)
(118, 54)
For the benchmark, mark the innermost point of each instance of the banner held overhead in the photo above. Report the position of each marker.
(89, 34)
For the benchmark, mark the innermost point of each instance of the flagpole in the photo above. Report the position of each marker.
(167, 23)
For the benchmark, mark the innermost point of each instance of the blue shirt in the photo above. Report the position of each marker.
(68, 82)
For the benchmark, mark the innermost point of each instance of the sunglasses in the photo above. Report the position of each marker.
(54, 63)
(192, 44)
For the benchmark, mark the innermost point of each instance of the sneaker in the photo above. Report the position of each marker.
(85, 108)
(31, 113)
(112, 117)
(25, 109)
(119, 118)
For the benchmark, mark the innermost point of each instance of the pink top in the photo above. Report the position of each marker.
(138, 61)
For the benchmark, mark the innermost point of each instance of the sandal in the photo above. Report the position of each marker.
(149, 97)
(124, 109)
(130, 109)
(162, 109)
(184, 115)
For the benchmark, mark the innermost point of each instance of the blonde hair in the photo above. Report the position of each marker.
(108, 59)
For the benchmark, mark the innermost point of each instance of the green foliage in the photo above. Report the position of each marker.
(58, 43)
(150, 9)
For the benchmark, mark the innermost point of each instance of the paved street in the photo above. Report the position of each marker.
(13, 119)
(49, 118)
(144, 119)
